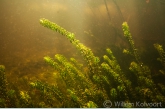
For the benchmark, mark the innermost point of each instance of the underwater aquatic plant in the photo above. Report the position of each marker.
(161, 52)
(3, 82)
(108, 76)
(128, 36)
(3, 85)
(101, 82)
(85, 51)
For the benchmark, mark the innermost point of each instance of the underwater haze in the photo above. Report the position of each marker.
(96, 23)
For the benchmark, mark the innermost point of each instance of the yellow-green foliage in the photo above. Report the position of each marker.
(3, 85)
(108, 76)
(3, 82)
(133, 50)
(91, 104)
(91, 86)
(85, 51)
(161, 52)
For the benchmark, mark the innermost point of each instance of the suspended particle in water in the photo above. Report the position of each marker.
(147, 1)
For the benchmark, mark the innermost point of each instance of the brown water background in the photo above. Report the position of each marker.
(24, 42)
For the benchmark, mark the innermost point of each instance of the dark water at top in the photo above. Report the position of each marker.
(96, 23)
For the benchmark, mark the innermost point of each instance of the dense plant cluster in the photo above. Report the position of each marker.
(93, 85)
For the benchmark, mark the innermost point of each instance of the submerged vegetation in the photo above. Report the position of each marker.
(96, 84)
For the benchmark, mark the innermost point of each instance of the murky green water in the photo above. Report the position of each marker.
(96, 23)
